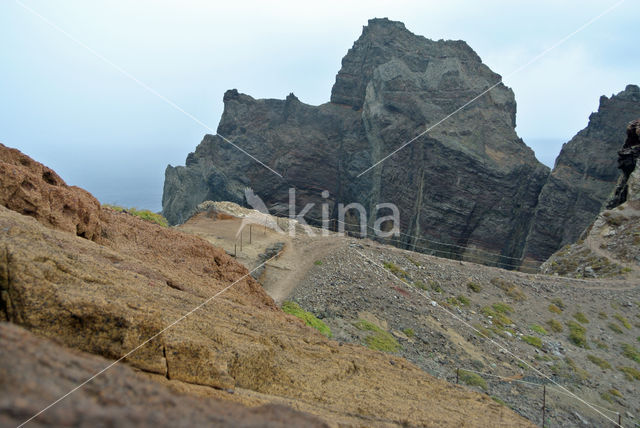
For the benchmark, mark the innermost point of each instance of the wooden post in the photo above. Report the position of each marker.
(241, 232)
(457, 375)
(620, 419)
(250, 230)
(544, 402)
(235, 248)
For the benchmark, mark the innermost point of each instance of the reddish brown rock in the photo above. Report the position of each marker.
(32, 189)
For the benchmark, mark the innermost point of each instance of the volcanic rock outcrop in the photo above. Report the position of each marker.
(468, 182)
(205, 327)
(628, 187)
(584, 176)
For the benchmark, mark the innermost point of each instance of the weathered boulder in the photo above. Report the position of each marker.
(35, 372)
(584, 176)
(30, 188)
(469, 182)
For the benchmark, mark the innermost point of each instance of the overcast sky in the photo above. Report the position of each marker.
(100, 130)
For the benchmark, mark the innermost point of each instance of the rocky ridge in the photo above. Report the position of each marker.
(470, 182)
(584, 176)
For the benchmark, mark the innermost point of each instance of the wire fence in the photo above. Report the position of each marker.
(526, 394)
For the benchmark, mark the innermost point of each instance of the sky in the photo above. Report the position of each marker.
(99, 129)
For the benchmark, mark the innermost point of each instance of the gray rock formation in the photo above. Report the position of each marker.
(469, 182)
(584, 176)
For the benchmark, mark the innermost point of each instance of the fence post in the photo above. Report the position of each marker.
(620, 419)
(544, 402)
(457, 375)
(235, 249)
(241, 233)
(250, 230)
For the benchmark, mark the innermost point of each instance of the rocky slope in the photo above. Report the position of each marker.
(136, 281)
(584, 176)
(470, 182)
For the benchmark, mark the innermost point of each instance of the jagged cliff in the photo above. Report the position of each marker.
(469, 182)
(584, 176)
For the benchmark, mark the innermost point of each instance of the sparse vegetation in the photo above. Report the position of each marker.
(482, 329)
(577, 334)
(497, 318)
(143, 214)
(502, 308)
(607, 397)
(553, 308)
(603, 364)
(615, 393)
(397, 271)
(510, 289)
(409, 332)
(555, 325)
(318, 263)
(472, 379)
(379, 339)
(533, 341)
(602, 315)
(464, 300)
(559, 303)
(475, 287)
(625, 322)
(421, 285)
(615, 327)
(435, 286)
(630, 373)
(600, 344)
(631, 352)
(539, 329)
(294, 309)
(580, 317)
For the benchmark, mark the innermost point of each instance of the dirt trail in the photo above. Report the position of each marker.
(282, 274)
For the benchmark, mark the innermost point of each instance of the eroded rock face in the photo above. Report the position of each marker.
(470, 182)
(30, 188)
(34, 372)
(628, 187)
(584, 176)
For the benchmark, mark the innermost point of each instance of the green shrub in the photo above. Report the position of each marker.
(464, 300)
(318, 263)
(472, 379)
(625, 322)
(379, 339)
(510, 289)
(476, 288)
(630, 373)
(555, 325)
(533, 341)
(539, 329)
(559, 303)
(615, 393)
(577, 334)
(409, 332)
(600, 344)
(294, 309)
(603, 364)
(607, 397)
(397, 271)
(421, 285)
(615, 327)
(143, 214)
(553, 308)
(482, 329)
(502, 308)
(435, 286)
(497, 318)
(602, 315)
(631, 352)
(581, 318)
(499, 401)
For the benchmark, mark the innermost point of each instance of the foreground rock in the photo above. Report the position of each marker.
(35, 372)
(470, 182)
(584, 176)
(107, 298)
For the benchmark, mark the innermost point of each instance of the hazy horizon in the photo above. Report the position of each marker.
(99, 130)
